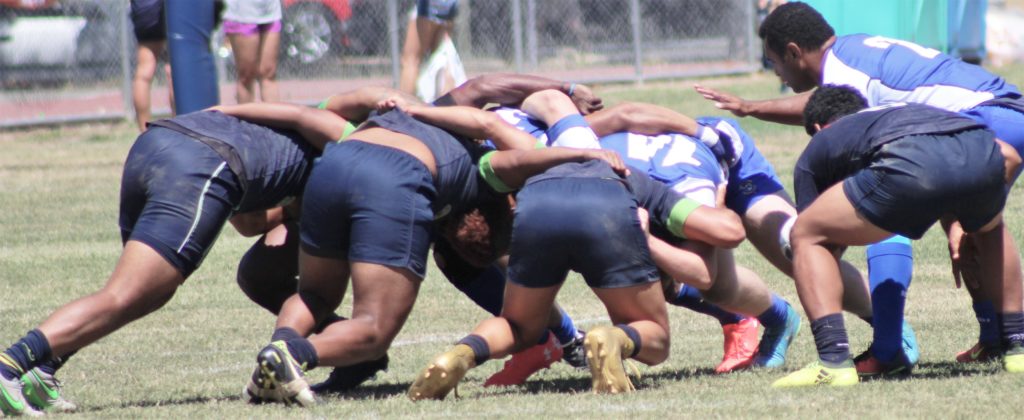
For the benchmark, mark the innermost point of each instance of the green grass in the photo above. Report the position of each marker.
(59, 240)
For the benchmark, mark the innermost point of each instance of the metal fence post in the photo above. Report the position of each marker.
(393, 38)
(634, 11)
(126, 70)
(517, 33)
(531, 32)
(751, 19)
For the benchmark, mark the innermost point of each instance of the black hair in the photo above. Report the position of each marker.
(829, 103)
(795, 22)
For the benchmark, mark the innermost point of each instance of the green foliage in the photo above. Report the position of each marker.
(59, 241)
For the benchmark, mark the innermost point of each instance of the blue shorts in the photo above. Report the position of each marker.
(588, 225)
(1007, 123)
(438, 11)
(753, 178)
(176, 195)
(916, 180)
(369, 203)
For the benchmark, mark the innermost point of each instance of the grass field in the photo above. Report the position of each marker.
(59, 240)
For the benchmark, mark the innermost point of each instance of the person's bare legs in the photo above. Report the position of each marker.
(146, 60)
(421, 37)
(270, 42)
(246, 49)
(141, 283)
(643, 308)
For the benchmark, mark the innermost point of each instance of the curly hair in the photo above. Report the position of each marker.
(829, 103)
(481, 234)
(795, 22)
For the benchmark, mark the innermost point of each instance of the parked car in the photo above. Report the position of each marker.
(314, 30)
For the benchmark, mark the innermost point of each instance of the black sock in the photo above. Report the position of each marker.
(285, 334)
(633, 335)
(51, 366)
(481, 351)
(830, 338)
(24, 355)
(1013, 328)
(303, 352)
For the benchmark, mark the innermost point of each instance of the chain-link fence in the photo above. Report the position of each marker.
(75, 61)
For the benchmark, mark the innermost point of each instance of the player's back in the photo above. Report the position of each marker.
(887, 70)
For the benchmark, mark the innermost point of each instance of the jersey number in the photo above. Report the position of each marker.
(883, 43)
(644, 148)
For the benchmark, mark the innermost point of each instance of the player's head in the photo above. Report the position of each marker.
(789, 33)
(830, 103)
(481, 235)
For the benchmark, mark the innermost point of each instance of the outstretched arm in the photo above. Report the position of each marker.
(511, 89)
(641, 118)
(785, 110)
(474, 123)
(355, 106)
(317, 126)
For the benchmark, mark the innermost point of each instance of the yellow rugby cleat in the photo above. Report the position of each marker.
(1013, 359)
(818, 374)
(443, 374)
(605, 346)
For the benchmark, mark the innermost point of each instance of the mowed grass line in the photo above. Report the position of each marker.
(59, 241)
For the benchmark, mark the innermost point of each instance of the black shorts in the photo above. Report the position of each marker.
(916, 180)
(148, 20)
(588, 225)
(176, 195)
(369, 203)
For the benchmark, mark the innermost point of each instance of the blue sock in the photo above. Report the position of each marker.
(481, 351)
(830, 338)
(988, 323)
(890, 269)
(690, 298)
(303, 352)
(775, 316)
(487, 289)
(27, 353)
(566, 332)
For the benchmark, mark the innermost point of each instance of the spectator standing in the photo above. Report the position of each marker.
(427, 37)
(254, 29)
(151, 36)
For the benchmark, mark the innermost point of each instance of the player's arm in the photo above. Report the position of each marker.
(641, 118)
(357, 104)
(686, 217)
(511, 89)
(508, 170)
(785, 110)
(317, 126)
(474, 123)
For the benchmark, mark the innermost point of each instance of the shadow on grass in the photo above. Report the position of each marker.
(950, 369)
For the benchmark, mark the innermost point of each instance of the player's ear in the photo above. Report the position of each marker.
(817, 127)
(793, 52)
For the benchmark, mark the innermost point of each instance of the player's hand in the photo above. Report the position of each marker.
(276, 236)
(585, 99)
(610, 156)
(964, 257)
(722, 100)
(392, 102)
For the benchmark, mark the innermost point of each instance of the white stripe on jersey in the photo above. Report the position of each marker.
(950, 98)
(698, 189)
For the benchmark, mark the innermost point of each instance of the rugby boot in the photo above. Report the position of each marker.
(605, 346)
(817, 373)
(1013, 359)
(346, 378)
(12, 401)
(443, 374)
(868, 366)
(527, 362)
(740, 345)
(283, 376)
(573, 352)
(771, 353)
(259, 390)
(979, 353)
(42, 390)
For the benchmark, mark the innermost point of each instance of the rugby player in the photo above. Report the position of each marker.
(806, 53)
(895, 169)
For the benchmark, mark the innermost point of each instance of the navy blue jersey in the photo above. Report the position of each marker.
(271, 164)
(458, 181)
(852, 143)
(888, 70)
